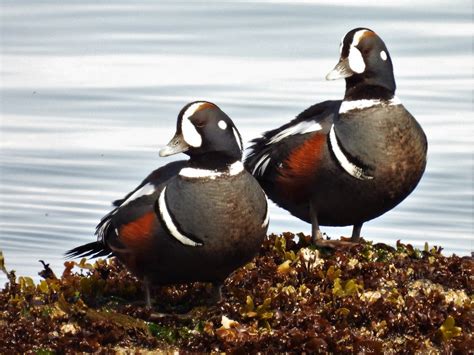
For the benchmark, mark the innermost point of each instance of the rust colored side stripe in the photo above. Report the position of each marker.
(137, 233)
(299, 169)
(304, 160)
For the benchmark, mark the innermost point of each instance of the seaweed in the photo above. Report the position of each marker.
(369, 298)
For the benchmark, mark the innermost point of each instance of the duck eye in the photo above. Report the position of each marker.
(199, 123)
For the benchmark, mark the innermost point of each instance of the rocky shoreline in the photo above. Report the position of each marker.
(292, 297)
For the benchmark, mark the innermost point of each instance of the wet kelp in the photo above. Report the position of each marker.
(367, 298)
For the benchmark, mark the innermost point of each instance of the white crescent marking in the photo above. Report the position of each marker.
(267, 216)
(350, 168)
(165, 215)
(237, 138)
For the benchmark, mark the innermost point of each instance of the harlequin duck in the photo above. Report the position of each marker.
(345, 162)
(195, 220)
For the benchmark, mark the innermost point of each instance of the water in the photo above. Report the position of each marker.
(90, 90)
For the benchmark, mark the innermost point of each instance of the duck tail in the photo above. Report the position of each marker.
(90, 250)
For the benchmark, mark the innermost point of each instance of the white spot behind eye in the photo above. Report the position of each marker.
(356, 61)
(222, 125)
(383, 55)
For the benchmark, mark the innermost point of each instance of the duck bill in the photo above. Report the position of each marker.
(341, 70)
(176, 145)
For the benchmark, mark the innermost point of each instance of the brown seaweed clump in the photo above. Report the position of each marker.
(291, 297)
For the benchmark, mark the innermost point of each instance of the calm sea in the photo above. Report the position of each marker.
(89, 90)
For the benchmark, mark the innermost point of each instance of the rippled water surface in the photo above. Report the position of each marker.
(89, 90)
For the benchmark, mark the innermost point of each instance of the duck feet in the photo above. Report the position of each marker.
(214, 293)
(319, 241)
(193, 313)
(155, 316)
(342, 243)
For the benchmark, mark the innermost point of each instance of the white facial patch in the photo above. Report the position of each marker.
(351, 169)
(261, 165)
(299, 128)
(165, 215)
(237, 138)
(383, 55)
(190, 133)
(348, 106)
(356, 61)
(195, 173)
(148, 189)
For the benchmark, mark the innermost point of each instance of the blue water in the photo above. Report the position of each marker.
(89, 90)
